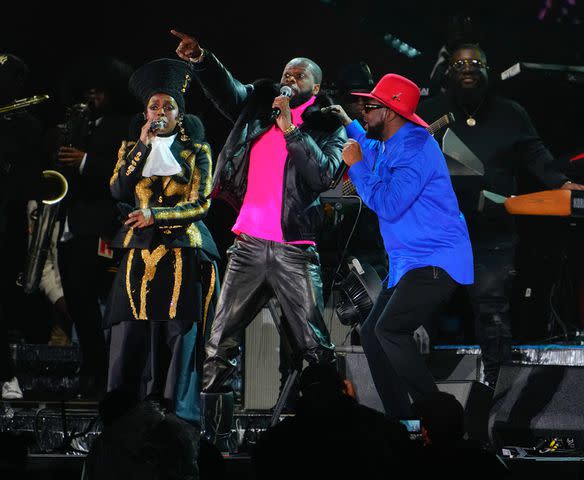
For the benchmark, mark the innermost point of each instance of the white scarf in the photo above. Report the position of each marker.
(161, 161)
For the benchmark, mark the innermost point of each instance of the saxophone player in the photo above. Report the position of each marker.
(88, 215)
(20, 135)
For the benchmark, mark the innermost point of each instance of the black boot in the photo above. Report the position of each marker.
(496, 345)
(217, 418)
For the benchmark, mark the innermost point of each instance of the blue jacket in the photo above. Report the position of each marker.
(405, 181)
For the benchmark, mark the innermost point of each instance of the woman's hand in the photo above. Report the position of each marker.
(140, 218)
(146, 135)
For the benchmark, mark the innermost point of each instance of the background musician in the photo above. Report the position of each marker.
(500, 133)
(20, 135)
(86, 155)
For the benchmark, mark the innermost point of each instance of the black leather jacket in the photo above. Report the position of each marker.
(314, 149)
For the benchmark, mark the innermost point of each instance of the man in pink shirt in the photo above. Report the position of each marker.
(280, 155)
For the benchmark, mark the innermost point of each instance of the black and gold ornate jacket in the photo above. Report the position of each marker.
(178, 203)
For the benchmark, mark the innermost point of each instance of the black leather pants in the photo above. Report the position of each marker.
(257, 270)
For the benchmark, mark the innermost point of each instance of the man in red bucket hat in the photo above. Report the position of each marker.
(399, 94)
(400, 173)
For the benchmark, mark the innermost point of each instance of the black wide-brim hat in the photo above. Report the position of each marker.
(101, 72)
(13, 75)
(354, 77)
(164, 75)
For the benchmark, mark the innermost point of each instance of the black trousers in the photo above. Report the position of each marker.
(86, 281)
(257, 270)
(398, 370)
(491, 297)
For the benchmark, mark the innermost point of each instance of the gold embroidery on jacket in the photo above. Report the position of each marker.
(194, 235)
(128, 283)
(119, 163)
(176, 188)
(209, 179)
(128, 237)
(121, 159)
(195, 184)
(181, 188)
(144, 191)
(209, 297)
(177, 282)
(151, 260)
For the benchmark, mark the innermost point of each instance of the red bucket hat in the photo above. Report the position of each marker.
(399, 94)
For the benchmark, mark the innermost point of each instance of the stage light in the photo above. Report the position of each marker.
(401, 46)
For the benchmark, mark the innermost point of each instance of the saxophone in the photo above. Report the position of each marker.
(74, 131)
(54, 188)
(23, 103)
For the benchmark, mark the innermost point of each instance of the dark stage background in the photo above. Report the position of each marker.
(256, 39)
(50, 38)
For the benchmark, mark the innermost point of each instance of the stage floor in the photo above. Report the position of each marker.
(62, 429)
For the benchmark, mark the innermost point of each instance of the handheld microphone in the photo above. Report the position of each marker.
(157, 124)
(338, 176)
(286, 91)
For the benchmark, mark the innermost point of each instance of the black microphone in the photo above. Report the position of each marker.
(157, 124)
(286, 91)
(338, 176)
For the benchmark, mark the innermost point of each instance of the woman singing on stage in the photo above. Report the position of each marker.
(165, 289)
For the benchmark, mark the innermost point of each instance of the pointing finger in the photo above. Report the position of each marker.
(178, 34)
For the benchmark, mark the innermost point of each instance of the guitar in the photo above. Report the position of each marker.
(348, 189)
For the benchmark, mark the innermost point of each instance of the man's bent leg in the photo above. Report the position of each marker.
(384, 377)
(295, 279)
(243, 293)
(417, 297)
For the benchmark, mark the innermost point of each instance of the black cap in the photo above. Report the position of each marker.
(101, 72)
(355, 77)
(164, 75)
(13, 75)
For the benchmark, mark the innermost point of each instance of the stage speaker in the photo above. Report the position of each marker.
(535, 402)
(474, 396)
(448, 365)
(261, 381)
(354, 367)
(261, 377)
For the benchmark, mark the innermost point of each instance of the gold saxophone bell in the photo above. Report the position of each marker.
(54, 187)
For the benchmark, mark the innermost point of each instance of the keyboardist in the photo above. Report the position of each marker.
(501, 135)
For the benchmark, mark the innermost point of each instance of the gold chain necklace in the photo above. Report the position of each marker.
(471, 121)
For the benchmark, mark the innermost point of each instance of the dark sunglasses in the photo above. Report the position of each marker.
(460, 65)
(368, 107)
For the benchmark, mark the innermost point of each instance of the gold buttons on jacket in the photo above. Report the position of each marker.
(133, 164)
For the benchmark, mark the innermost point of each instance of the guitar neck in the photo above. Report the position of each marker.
(440, 123)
